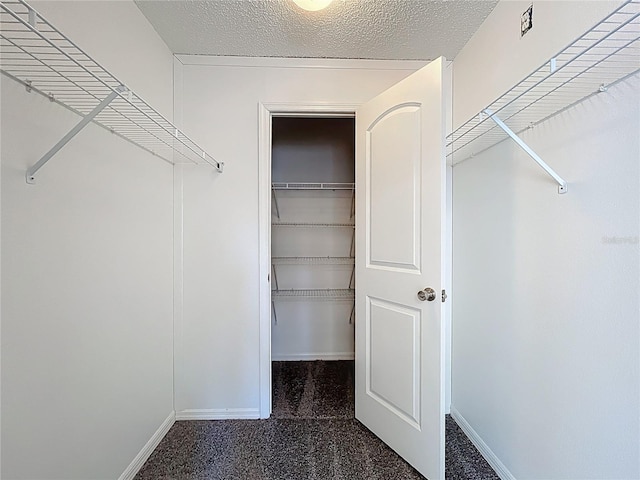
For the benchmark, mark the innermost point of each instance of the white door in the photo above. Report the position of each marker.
(400, 174)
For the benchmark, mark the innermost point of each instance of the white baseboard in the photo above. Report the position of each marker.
(148, 449)
(499, 467)
(218, 414)
(289, 357)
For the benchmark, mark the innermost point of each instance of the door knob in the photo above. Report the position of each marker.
(428, 294)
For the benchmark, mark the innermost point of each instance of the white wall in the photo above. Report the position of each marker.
(86, 268)
(313, 150)
(546, 306)
(217, 343)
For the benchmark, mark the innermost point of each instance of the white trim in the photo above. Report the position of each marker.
(313, 356)
(318, 63)
(264, 255)
(447, 251)
(501, 470)
(137, 463)
(309, 109)
(218, 414)
(178, 239)
(1, 310)
(447, 247)
(265, 112)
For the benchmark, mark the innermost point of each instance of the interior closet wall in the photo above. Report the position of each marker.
(545, 300)
(312, 150)
(217, 343)
(86, 267)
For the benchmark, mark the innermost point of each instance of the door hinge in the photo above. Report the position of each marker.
(444, 295)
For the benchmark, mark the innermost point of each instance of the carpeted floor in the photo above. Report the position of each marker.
(311, 435)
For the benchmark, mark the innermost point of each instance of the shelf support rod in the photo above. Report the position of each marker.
(275, 201)
(73, 132)
(275, 317)
(275, 276)
(353, 201)
(562, 184)
(352, 252)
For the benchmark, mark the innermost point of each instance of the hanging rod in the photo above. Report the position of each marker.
(41, 58)
(606, 54)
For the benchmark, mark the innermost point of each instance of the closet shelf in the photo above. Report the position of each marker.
(317, 294)
(311, 225)
(332, 187)
(312, 260)
(605, 55)
(37, 55)
(312, 186)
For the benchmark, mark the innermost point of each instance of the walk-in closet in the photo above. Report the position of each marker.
(312, 247)
(247, 240)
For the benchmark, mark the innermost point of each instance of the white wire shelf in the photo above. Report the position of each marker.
(312, 186)
(311, 224)
(603, 56)
(312, 260)
(316, 294)
(37, 55)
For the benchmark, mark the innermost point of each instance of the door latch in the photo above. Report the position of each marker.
(444, 295)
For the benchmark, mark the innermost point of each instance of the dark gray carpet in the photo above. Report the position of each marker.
(313, 390)
(312, 435)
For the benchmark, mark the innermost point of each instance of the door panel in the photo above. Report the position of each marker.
(400, 177)
(393, 194)
(393, 372)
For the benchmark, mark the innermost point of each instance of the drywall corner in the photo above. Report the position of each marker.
(492, 459)
(139, 460)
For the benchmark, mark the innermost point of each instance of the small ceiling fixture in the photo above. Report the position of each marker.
(313, 5)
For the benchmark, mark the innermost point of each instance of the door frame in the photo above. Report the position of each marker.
(266, 112)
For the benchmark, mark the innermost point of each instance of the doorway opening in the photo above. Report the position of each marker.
(312, 265)
(402, 237)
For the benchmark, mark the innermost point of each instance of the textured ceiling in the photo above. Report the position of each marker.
(372, 29)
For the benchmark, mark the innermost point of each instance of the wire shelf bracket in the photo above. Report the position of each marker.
(562, 184)
(45, 61)
(31, 179)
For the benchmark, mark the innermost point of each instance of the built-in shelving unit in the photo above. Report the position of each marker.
(312, 186)
(606, 54)
(40, 57)
(317, 294)
(314, 294)
(330, 186)
(312, 260)
(312, 224)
